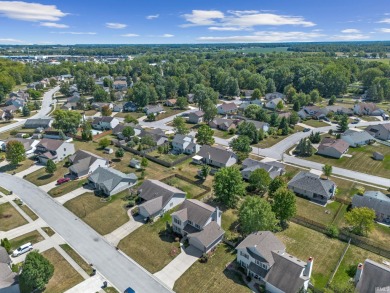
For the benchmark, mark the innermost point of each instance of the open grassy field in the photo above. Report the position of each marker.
(192, 190)
(361, 160)
(77, 258)
(33, 237)
(10, 217)
(212, 276)
(150, 246)
(303, 243)
(17, 168)
(66, 187)
(315, 123)
(40, 177)
(103, 216)
(65, 276)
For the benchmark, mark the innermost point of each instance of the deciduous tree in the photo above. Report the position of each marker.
(228, 186)
(284, 205)
(36, 272)
(50, 167)
(15, 152)
(361, 220)
(180, 125)
(205, 135)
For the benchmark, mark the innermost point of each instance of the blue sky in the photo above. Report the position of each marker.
(191, 21)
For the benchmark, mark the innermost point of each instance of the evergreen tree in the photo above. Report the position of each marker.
(343, 124)
(274, 120)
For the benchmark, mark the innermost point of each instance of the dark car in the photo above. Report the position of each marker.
(129, 290)
(62, 180)
(306, 129)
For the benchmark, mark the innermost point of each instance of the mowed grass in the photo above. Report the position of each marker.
(269, 141)
(213, 275)
(303, 242)
(167, 157)
(40, 177)
(103, 215)
(222, 134)
(346, 189)
(65, 276)
(17, 168)
(352, 258)
(66, 187)
(135, 115)
(32, 237)
(150, 246)
(315, 123)
(4, 191)
(10, 218)
(77, 258)
(361, 160)
(192, 190)
(49, 231)
(29, 212)
(230, 223)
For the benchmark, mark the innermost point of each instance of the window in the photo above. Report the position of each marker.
(197, 226)
(176, 221)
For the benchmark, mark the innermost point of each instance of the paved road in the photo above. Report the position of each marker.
(120, 270)
(45, 109)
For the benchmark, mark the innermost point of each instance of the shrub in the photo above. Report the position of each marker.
(332, 231)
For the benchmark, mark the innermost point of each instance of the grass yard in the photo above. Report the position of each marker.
(10, 217)
(66, 187)
(346, 188)
(4, 191)
(303, 242)
(381, 235)
(169, 111)
(212, 276)
(361, 160)
(150, 246)
(17, 168)
(135, 115)
(229, 223)
(192, 190)
(315, 123)
(77, 258)
(167, 157)
(102, 216)
(65, 276)
(110, 290)
(26, 209)
(269, 141)
(40, 177)
(49, 231)
(352, 258)
(33, 237)
(222, 134)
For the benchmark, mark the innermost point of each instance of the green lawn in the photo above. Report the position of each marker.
(213, 275)
(303, 242)
(151, 246)
(169, 111)
(136, 115)
(49, 231)
(10, 217)
(32, 237)
(361, 160)
(26, 209)
(77, 258)
(167, 157)
(66, 187)
(230, 223)
(346, 188)
(315, 123)
(17, 168)
(40, 177)
(104, 216)
(4, 191)
(192, 190)
(222, 134)
(269, 141)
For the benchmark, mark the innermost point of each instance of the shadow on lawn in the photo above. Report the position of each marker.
(46, 176)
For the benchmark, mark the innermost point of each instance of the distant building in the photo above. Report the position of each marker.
(375, 200)
(371, 276)
(331, 147)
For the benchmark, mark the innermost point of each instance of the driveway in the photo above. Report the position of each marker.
(90, 285)
(49, 186)
(179, 265)
(120, 270)
(117, 235)
(71, 195)
(33, 168)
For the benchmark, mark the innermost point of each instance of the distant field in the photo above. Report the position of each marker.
(261, 50)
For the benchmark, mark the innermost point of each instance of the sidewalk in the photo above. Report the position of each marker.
(71, 195)
(117, 235)
(33, 168)
(48, 186)
(90, 285)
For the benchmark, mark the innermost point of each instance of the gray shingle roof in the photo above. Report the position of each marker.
(216, 154)
(374, 275)
(195, 211)
(337, 144)
(107, 119)
(375, 200)
(82, 160)
(50, 144)
(313, 183)
(109, 178)
(273, 168)
(4, 257)
(7, 277)
(39, 122)
(357, 136)
(209, 234)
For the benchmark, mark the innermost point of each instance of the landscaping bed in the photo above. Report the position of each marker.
(10, 218)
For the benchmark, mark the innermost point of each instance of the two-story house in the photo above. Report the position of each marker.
(200, 223)
(265, 259)
(53, 149)
(196, 117)
(227, 108)
(371, 277)
(185, 144)
(104, 123)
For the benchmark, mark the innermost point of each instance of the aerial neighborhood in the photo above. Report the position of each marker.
(195, 171)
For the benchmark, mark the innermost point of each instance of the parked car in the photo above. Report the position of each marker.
(62, 180)
(22, 249)
(129, 290)
(306, 129)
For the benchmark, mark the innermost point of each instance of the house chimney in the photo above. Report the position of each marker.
(308, 267)
(359, 272)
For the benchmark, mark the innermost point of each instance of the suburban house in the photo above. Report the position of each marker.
(196, 117)
(200, 223)
(314, 112)
(265, 259)
(273, 168)
(258, 124)
(375, 200)
(356, 138)
(117, 130)
(34, 123)
(157, 135)
(245, 104)
(379, 131)
(130, 107)
(339, 110)
(111, 181)
(84, 163)
(185, 144)
(370, 109)
(247, 93)
(312, 186)
(104, 123)
(331, 147)
(171, 102)
(16, 101)
(99, 105)
(8, 279)
(371, 277)
(153, 109)
(53, 149)
(272, 104)
(275, 95)
(222, 124)
(227, 108)
(117, 107)
(215, 156)
(158, 198)
(28, 144)
(120, 85)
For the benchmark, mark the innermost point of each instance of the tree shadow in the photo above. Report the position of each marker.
(46, 176)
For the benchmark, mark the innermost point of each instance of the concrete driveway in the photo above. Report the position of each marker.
(117, 235)
(49, 186)
(71, 195)
(33, 168)
(179, 265)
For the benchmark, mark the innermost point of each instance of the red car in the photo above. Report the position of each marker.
(62, 180)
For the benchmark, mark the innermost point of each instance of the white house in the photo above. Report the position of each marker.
(272, 104)
(104, 123)
(227, 108)
(53, 149)
(185, 144)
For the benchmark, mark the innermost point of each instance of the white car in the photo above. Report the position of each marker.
(22, 249)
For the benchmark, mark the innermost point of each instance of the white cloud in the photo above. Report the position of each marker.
(385, 20)
(167, 36)
(350, 31)
(241, 19)
(351, 37)
(53, 25)
(30, 11)
(9, 41)
(77, 33)
(228, 28)
(150, 17)
(265, 37)
(115, 25)
(384, 30)
(130, 35)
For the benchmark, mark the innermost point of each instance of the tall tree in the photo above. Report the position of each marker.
(26, 111)
(67, 121)
(100, 95)
(284, 205)
(343, 124)
(182, 103)
(255, 214)
(327, 169)
(210, 111)
(205, 135)
(128, 132)
(180, 125)
(242, 146)
(228, 186)
(276, 183)
(249, 129)
(259, 180)
(15, 152)
(256, 95)
(106, 111)
(361, 220)
(50, 167)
